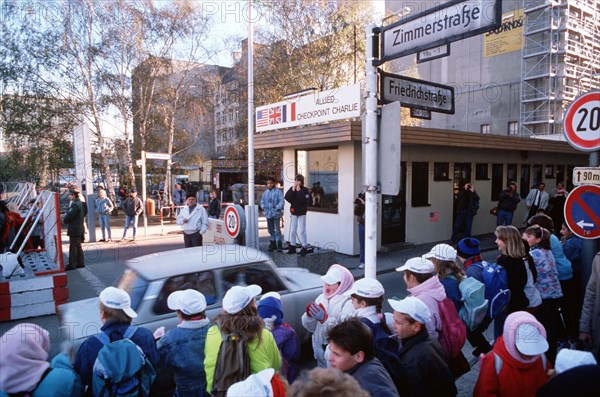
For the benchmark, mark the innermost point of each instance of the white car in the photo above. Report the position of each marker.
(212, 270)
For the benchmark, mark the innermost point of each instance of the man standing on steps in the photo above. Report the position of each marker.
(133, 207)
(271, 203)
(298, 196)
(74, 218)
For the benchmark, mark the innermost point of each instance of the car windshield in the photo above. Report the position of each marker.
(134, 284)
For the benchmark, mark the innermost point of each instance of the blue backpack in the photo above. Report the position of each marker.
(378, 330)
(475, 306)
(121, 368)
(496, 288)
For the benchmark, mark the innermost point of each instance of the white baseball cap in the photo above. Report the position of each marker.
(367, 288)
(443, 252)
(567, 359)
(417, 265)
(413, 307)
(257, 385)
(529, 340)
(189, 301)
(333, 276)
(116, 298)
(237, 298)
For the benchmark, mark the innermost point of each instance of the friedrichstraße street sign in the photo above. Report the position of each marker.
(582, 122)
(442, 24)
(418, 94)
(586, 176)
(582, 211)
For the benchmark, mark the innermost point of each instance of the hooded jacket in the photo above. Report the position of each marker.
(515, 377)
(431, 292)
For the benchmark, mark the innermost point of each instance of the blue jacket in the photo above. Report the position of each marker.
(272, 203)
(452, 292)
(182, 349)
(88, 352)
(572, 249)
(179, 197)
(372, 376)
(565, 270)
(61, 381)
(289, 345)
(474, 267)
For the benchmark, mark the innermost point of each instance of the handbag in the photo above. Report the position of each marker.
(494, 211)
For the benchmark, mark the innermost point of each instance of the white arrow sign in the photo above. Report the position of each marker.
(582, 224)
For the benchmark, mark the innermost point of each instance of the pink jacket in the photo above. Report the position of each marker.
(431, 292)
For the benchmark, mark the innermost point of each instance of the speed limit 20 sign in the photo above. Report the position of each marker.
(235, 220)
(582, 122)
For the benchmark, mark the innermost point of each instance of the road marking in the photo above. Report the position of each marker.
(94, 281)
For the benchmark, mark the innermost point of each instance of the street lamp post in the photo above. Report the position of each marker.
(251, 216)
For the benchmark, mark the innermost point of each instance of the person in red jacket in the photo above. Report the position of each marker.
(517, 366)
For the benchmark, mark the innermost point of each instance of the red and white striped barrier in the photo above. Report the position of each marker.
(32, 296)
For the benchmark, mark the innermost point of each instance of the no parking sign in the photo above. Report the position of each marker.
(582, 211)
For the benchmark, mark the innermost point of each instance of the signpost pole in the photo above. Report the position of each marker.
(589, 247)
(252, 234)
(144, 192)
(371, 152)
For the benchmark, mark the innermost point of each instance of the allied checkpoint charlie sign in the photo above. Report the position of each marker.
(318, 107)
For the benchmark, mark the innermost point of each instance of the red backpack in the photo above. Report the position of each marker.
(453, 334)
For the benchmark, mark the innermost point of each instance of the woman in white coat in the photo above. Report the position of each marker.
(331, 307)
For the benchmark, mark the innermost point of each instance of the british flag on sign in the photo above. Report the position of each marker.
(277, 114)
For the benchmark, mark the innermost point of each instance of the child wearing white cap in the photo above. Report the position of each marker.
(422, 283)
(577, 374)
(116, 314)
(328, 309)
(367, 299)
(182, 348)
(240, 316)
(517, 365)
(422, 368)
(443, 257)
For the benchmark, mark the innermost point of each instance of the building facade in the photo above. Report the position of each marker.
(518, 79)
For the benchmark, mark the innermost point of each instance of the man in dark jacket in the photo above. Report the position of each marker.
(507, 204)
(352, 352)
(298, 196)
(423, 370)
(467, 204)
(133, 207)
(74, 219)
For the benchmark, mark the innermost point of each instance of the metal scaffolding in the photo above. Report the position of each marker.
(560, 59)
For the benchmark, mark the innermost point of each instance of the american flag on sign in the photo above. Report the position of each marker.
(433, 216)
(262, 118)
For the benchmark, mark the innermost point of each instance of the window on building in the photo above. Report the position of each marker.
(420, 184)
(481, 172)
(513, 128)
(537, 174)
(497, 180)
(441, 171)
(511, 173)
(320, 170)
(485, 128)
(524, 184)
(549, 172)
(560, 173)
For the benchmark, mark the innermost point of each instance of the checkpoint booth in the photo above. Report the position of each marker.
(432, 164)
(33, 281)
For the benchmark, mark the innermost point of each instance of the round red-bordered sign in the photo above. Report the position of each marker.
(232, 222)
(582, 211)
(582, 122)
